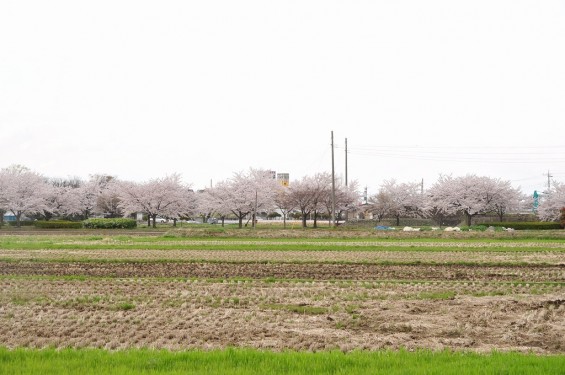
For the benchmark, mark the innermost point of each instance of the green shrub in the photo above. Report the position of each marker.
(109, 223)
(58, 224)
(478, 228)
(23, 223)
(535, 225)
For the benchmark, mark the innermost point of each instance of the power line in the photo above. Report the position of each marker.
(458, 147)
(454, 158)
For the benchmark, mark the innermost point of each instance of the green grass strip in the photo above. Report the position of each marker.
(248, 361)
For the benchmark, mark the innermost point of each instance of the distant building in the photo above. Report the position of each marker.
(9, 216)
(272, 174)
(283, 179)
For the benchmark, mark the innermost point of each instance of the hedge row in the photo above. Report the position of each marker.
(521, 225)
(58, 224)
(109, 223)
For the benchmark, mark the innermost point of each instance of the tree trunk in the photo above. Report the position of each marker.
(174, 222)
(2, 212)
(284, 220)
(315, 219)
(397, 220)
(154, 220)
(240, 219)
(222, 218)
(148, 221)
(468, 217)
(18, 216)
(304, 215)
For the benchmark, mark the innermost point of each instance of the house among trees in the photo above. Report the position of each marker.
(9, 216)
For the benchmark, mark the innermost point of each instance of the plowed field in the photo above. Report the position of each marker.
(458, 296)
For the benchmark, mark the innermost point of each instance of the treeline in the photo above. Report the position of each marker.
(24, 193)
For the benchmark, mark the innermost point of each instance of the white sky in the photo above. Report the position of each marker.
(141, 89)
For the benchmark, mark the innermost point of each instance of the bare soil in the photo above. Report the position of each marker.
(329, 256)
(540, 273)
(181, 315)
(262, 300)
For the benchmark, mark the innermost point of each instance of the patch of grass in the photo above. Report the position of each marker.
(125, 306)
(300, 309)
(351, 309)
(20, 300)
(436, 295)
(248, 361)
(81, 301)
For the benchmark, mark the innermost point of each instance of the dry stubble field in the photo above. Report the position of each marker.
(177, 293)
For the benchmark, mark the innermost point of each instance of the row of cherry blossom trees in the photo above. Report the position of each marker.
(244, 195)
(247, 194)
(470, 195)
(27, 193)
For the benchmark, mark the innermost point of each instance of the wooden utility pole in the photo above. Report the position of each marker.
(346, 211)
(345, 162)
(333, 183)
(548, 181)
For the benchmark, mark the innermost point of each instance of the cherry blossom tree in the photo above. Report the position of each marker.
(405, 199)
(57, 201)
(552, 204)
(3, 203)
(157, 197)
(213, 201)
(302, 196)
(108, 197)
(86, 195)
(321, 190)
(188, 206)
(380, 204)
(65, 197)
(345, 198)
(505, 198)
(248, 193)
(23, 192)
(283, 201)
(471, 195)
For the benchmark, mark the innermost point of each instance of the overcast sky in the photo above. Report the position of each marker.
(142, 89)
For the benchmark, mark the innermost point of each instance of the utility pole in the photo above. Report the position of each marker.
(346, 211)
(548, 181)
(345, 162)
(422, 187)
(333, 184)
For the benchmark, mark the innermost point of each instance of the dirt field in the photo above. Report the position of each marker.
(179, 299)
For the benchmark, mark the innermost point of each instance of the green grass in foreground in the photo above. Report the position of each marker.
(248, 361)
